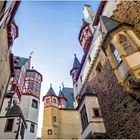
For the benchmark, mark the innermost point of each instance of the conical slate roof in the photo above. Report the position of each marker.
(51, 92)
(108, 24)
(68, 94)
(76, 63)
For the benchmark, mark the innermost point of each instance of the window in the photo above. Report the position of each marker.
(84, 118)
(30, 86)
(81, 79)
(17, 73)
(99, 67)
(49, 132)
(36, 87)
(9, 125)
(116, 53)
(127, 46)
(89, 58)
(34, 103)
(28, 74)
(54, 119)
(54, 100)
(48, 100)
(32, 74)
(96, 112)
(32, 128)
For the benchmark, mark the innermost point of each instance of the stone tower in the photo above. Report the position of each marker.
(50, 122)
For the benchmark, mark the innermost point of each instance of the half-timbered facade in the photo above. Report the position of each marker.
(21, 102)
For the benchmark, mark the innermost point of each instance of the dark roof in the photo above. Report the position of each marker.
(76, 63)
(99, 12)
(20, 61)
(51, 92)
(68, 94)
(61, 94)
(108, 24)
(15, 110)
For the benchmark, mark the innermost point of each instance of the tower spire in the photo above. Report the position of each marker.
(75, 68)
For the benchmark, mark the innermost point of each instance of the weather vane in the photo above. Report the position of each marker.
(31, 54)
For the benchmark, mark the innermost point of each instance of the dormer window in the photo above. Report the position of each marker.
(48, 100)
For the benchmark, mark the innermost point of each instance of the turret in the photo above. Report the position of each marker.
(33, 81)
(75, 69)
(62, 99)
(51, 115)
(87, 30)
(50, 99)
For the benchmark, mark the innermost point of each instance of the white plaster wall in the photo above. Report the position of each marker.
(28, 134)
(8, 135)
(30, 114)
(25, 105)
(96, 124)
(93, 127)
(90, 103)
(4, 106)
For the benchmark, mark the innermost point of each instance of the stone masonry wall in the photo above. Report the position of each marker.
(128, 12)
(121, 112)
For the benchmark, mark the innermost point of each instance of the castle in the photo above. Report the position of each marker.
(107, 83)
(61, 119)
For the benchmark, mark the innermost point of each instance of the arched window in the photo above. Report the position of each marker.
(115, 53)
(127, 46)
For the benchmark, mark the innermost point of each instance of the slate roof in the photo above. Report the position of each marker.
(108, 24)
(68, 94)
(51, 92)
(15, 110)
(61, 94)
(76, 64)
(20, 61)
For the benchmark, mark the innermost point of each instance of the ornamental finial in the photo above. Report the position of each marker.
(50, 84)
(62, 84)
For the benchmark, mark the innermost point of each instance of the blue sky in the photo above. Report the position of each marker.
(51, 30)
